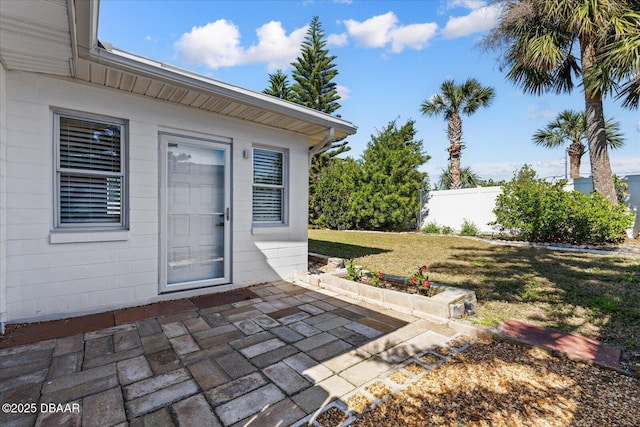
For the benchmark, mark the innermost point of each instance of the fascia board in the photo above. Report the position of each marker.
(150, 68)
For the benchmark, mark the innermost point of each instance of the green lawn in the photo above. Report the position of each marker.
(593, 295)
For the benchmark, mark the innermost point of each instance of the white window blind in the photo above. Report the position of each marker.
(268, 186)
(90, 172)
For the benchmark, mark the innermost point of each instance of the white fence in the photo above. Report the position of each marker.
(452, 207)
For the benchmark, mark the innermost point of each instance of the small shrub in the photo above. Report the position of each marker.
(469, 229)
(354, 272)
(431, 228)
(446, 229)
(375, 278)
(538, 211)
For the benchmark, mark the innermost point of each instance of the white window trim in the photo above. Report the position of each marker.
(90, 228)
(284, 223)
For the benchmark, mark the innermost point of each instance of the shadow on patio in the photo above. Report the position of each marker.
(273, 354)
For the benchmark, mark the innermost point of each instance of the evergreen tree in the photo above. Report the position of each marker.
(389, 195)
(314, 71)
(336, 186)
(279, 86)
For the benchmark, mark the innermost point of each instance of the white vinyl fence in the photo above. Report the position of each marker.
(452, 207)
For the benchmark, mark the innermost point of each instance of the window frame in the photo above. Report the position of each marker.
(284, 187)
(60, 171)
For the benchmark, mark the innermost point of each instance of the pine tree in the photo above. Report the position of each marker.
(314, 71)
(279, 86)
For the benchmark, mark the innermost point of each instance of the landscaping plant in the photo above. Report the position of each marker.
(535, 210)
(354, 272)
(420, 279)
(469, 228)
(431, 228)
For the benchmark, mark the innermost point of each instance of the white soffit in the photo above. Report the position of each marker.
(35, 36)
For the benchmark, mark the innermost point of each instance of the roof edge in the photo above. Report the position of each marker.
(140, 65)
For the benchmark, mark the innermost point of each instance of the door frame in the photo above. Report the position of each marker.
(165, 139)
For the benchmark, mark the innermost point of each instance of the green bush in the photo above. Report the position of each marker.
(336, 183)
(446, 229)
(469, 229)
(431, 228)
(538, 211)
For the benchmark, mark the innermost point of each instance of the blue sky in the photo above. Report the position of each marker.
(391, 56)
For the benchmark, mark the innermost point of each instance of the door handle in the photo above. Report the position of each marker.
(227, 214)
(220, 224)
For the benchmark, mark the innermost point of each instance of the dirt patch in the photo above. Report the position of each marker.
(501, 384)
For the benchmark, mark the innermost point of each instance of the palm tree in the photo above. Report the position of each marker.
(547, 44)
(468, 177)
(571, 126)
(620, 56)
(452, 101)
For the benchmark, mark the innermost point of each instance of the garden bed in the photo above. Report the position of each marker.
(391, 292)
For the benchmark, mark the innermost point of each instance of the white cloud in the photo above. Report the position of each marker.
(274, 47)
(479, 20)
(535, 113)
(414, 36)
(337, 39)
(374, 32)
(344, 92)
(469, 4)
(551, 168)
(638, 126)
(624, 165)
(506, 170)
(383, 30)
(217, 44)
(147, 38)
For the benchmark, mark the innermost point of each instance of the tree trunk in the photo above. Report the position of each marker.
(575, 152)
(598, 150)
(454, 132)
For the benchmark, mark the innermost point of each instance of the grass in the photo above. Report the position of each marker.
(593, 295)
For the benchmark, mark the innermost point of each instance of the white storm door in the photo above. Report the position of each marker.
(194, 217)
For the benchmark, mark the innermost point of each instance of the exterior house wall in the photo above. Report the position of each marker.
(46, 280)
(451, 207)
(3, 199)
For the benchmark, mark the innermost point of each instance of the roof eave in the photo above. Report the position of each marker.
(168, 73)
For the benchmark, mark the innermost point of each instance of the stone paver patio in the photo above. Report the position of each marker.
(280, 359)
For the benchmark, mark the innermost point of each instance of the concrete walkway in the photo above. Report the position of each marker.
(282, 358)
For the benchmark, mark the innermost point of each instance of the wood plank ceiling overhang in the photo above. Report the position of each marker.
(58, 37)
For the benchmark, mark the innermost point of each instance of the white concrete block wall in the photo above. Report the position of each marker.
(451, 207)
(45, 280)
(634, 199)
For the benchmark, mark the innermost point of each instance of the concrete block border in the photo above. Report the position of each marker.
(447, 304)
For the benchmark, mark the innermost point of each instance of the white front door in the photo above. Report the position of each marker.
(194, 213)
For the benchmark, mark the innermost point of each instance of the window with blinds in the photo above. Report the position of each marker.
(268, 186)
(90, 172)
